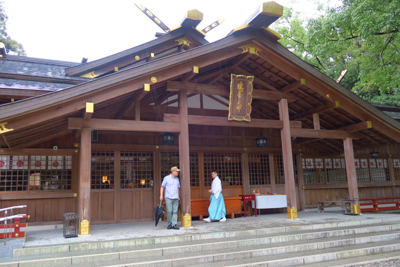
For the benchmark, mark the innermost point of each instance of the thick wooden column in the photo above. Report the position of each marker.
(290, 188)
(351, 173)
(184, 160)
(84, 181)
(245, 174)
(392, 177)
(302, 195)
(272, 172)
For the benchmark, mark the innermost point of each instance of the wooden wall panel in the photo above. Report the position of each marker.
(107, 206)
(147, 205)
(94, 206)
(126, 205)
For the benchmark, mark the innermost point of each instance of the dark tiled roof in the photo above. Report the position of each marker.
(31, 85)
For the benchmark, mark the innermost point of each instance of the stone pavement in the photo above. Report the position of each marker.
(53, 234)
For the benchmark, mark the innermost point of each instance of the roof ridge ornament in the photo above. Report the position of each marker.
(153, 17)
(264, 16)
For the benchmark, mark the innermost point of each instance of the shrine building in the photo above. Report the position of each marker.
(97, 137)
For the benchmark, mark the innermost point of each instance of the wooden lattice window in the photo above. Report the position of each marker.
(396, 167)
(136, 169)
(14, 173)
(102, 170)
(335, 170)
(368, 170)
(313, 171)
(194, 170)
(259, 173)
(229, 168)
(279, 171)
(50, 172)
(379, 170)
(168, 160)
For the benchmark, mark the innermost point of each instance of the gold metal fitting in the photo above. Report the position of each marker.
(137, 57)
(84, 227)
(187, 220)
(153, 79)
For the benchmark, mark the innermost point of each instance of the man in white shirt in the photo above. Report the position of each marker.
(216, 210)
(171, 185)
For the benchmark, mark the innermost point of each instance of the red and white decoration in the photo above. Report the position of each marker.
(55, 162)
(381, 163)
(38, 162)
(328, 163)
(310, 163)
(372, 163)
(319, 164)
(364, 163)
(396, 163)
(357, 163)
(19, 162)
(337, 164)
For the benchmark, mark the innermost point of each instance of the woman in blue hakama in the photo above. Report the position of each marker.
(216, 210)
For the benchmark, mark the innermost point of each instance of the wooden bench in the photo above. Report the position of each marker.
(326, 204)
(233, 205)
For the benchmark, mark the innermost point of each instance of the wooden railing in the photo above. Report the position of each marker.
(380, 203)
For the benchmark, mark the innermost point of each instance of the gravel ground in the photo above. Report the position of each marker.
(392, 262)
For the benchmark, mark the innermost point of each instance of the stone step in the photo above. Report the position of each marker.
(262, 236)
(214, 252)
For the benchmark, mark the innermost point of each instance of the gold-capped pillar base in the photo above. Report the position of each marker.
(355, 209)
(187, 220)
(84, 227)
(292, 213)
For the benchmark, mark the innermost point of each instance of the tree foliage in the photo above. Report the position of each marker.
(361, 36)
(11, 45)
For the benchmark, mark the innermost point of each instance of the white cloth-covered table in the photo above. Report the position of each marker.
(270, 202)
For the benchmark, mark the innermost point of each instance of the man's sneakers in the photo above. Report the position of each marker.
(174, 227)
(207, 220)
(223, 219)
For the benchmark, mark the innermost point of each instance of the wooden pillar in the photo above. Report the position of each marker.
(245, 174)
(157, 176)
(272, 172)
(316, 121)
(117, 186)
(84, 181)
(184, 160)
(351, 173)
(202, 176)
(287, 157)
(137, 110)
(302, 195)
(392, 178)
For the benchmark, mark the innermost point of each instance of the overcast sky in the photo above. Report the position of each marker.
(69, 30)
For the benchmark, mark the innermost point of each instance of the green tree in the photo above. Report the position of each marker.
(361, 36)
(11, 45)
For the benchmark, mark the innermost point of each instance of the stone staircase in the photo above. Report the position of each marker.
(328, 244)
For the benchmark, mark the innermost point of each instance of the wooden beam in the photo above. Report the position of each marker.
(257, 79)
(290, 87)
(198, 88)
(184, 156)
(287, 157)
(322, 134)
(21, 93)
(137, 110)
(192, 19)
(358, 127)
(220, 121)
(188, 76)
(88, 111)
(130, 104)
(327, 107)
(124, 125)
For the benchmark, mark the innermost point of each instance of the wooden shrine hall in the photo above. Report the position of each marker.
(96, 138)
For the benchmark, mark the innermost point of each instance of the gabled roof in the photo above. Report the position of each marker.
(139, 53)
